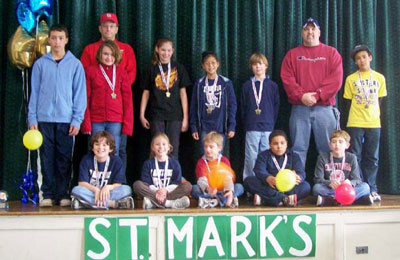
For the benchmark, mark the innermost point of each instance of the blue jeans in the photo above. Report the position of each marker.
(365, 145)
(56, 160)
(256, 142)
(122, 151)
(87, 195)
(197, 193)
(114, 128)
(324, 190)
(172, 129)
(273, 197)
(320, 119)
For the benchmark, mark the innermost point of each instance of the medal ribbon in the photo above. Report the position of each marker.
(112, 85)
(159, 174)
(206, 162)
(333, 164)
(277, 164)
(96, 170)
(367, 91)
(257, 97)
(165, 81)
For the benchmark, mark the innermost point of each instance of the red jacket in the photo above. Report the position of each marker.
(128, 61)
(101, 107)
(312, 69)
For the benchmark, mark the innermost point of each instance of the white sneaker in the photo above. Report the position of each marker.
(376, 196)
(205, 203)
(75, 204)
(46, 203)
(181, 203)
(235, 203)
(65, 203)
(125, 203)
(147, 204)
(257, 200)
(320, 201)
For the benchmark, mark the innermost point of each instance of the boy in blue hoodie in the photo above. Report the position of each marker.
(213, 105)
(56, 108)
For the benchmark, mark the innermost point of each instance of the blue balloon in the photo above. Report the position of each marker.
(40, 7)
(25, 16)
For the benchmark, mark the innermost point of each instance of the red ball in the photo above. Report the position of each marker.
(345, 194)
(219, 175)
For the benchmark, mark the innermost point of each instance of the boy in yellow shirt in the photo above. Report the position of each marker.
(365, 88)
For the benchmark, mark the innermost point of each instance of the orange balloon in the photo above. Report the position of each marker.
(220, 175)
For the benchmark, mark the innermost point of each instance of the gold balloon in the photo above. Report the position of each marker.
(21, 49)
(42, 47)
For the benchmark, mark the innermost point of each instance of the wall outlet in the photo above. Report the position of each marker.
(361, 250)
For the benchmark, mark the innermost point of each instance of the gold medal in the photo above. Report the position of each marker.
(113, 95)
(209, 110)
(168, 94)
(258, 111)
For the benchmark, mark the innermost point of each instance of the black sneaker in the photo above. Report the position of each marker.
(125, 203)
(326, 201)
(76, 204)
(365, 200)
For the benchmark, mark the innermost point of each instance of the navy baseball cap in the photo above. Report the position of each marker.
(310, 20)
(359, 48)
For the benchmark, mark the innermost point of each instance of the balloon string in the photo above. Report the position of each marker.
(28, 166)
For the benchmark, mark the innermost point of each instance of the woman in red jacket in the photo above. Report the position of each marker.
(109, 95)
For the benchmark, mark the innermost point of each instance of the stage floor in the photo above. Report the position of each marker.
(18, 209)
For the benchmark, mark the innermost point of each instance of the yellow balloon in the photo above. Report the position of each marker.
(42, 46)
(33, 139)
(20, 49)
(285, 180)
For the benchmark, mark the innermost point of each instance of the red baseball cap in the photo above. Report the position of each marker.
(109, 17)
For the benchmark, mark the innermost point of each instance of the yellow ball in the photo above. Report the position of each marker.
(33, 139)
(285, 180)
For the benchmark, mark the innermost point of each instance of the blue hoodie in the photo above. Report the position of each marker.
(58, 91)
(223, 117)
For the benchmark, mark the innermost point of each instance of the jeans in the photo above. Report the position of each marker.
(56, 160)
(320, 119)
(87, 195)
(114, 128)
(365, 145)
(324, 190)
(273, 197)
(197, 193)
(256, 142)
(122, 151)
(172, 129)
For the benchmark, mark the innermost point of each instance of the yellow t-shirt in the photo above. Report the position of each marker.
(364, 110)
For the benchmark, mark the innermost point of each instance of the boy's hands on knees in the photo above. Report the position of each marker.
(195, 136)
(97, 197)
(231, 134)
(298, 178)
(334, 184)
(229, 195)
(271, 181)
(104, 194)
(210, 190)
(161, 195)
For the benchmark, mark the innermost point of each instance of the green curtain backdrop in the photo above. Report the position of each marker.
(234, 29)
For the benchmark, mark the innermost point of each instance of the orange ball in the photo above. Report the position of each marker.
(219, 175)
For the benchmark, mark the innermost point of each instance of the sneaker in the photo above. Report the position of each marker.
(257, 200)
(365, 200)
(76, 204)
(290, 201)
(46, 203)
(181, 203)
(205, 203)
(147, 204)
(235, 203)
(326, 201)
(376, 196)
(125, 203)
(65, 203)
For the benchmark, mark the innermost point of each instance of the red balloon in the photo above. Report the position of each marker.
(345, 194)
(219, 175)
